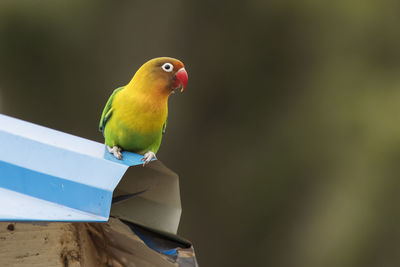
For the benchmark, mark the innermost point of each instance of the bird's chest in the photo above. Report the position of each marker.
(139, 117)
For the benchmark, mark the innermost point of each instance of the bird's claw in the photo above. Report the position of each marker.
(116, 151)
(148, 157)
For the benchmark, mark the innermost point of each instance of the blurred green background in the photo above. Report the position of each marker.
(287, 138)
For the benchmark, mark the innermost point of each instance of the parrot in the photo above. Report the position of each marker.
(135, 116)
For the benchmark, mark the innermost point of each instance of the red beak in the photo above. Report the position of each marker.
(181, 79)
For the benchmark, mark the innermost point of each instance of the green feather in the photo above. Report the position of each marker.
(165, 125)
(107, 112)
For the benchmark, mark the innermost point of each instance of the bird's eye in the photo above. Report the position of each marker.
(168, 67)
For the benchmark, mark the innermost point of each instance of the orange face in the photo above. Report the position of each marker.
(164, 74)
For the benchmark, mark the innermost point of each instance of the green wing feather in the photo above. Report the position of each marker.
(165, 125)
(107, 112)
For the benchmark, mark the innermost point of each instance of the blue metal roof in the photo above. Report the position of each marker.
(53, 176)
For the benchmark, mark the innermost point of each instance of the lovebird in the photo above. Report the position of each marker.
(135, 116)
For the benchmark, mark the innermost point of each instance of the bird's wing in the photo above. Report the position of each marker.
(107, 112)
(164, 128)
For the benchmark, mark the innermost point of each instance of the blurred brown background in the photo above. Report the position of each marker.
(287, 138)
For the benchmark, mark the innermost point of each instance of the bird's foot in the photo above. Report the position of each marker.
(148, 157)
(116, 151)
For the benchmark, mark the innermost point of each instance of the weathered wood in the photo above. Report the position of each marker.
(26, 244)
(111, 244)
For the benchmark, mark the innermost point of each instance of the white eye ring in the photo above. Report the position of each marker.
(168, 67)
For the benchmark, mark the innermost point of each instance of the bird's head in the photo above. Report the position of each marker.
(161, 75)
